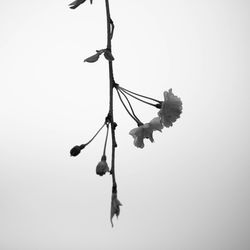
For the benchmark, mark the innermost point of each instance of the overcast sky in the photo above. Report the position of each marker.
(188, 190)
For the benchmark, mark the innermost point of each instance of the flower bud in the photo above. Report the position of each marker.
(102, 166)
(76, 150)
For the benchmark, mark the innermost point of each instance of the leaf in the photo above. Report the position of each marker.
(76, 3)
(93, 58)
(108, 55)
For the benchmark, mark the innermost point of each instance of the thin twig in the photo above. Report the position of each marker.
(132, 110)
(133, 117)
(149, 98)
(106, 139)
(95, 134)
(128, 93)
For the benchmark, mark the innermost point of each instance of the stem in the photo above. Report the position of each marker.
(95, 135)
(111, 86)
(133, 116)
(132, 110)
(126, 90)
(106, 139)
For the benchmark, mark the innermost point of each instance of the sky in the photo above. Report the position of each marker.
(189, 189)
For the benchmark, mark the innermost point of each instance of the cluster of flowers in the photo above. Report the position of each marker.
(170, 111)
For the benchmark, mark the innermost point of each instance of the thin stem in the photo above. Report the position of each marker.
(106, 139)
(132, 110)
(111, 86)
(151, 104)
(149, 98)
(95, 134)
(132, 116)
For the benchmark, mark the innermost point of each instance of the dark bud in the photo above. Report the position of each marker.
(76, 150)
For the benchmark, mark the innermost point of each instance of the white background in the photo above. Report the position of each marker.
(188, 190)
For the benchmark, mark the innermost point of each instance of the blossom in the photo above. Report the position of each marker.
(171, 108)
(102, 166)
(115, 207)
(145, 131)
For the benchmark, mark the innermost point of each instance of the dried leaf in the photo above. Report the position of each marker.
(115, 207)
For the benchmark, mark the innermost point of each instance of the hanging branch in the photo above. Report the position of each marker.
(170, 110)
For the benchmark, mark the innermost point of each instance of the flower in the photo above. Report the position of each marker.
(155, 124)
(171, 109)
(145, 131)
(115, 207)
(102, 166)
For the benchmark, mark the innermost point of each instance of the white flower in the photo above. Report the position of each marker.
(145, 131)
(115, 207)
(171, 109)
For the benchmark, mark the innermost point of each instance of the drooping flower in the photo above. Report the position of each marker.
(155, 124)
(102, 166)
(171, 108)
(115, 207)
(145, 131)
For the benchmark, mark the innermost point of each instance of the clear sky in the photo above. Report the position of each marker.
(188, 190)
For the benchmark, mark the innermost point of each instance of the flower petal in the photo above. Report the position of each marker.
(137, 134)
(140, 133)
(156, 124)
(171, 109)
